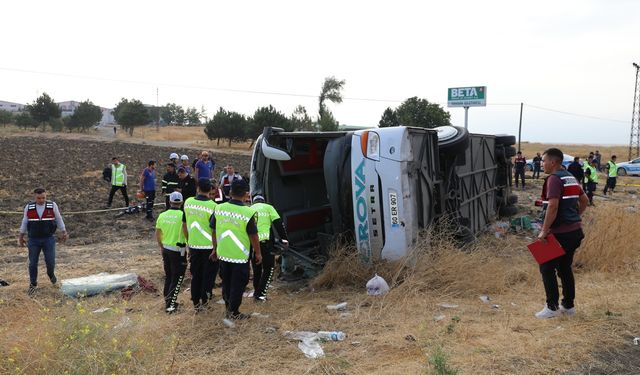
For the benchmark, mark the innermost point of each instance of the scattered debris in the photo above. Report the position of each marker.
(345, 315)
(521, 223)
(410, 338)
(339, 307)
(270, 330)
(229, 323)
(495, 307)
(377, 286)
(636, 341)
(3, 283)
(631, 209)
(448, 305)
(101, 310)
(355, 343)
(485, 298)
(258, 315)
(248, 294)
(500, 228)
(220, 301)
(311, 348)
(96, 284)
(438, 318)
(124, 323)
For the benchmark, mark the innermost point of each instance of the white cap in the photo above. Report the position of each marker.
(175, 197)
(173, 156)
(258, 198)
(184, 157)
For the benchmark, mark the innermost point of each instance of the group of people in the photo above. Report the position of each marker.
(587, 173)
(180, 176)
(218, 238)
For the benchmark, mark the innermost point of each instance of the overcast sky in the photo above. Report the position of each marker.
(569, 56)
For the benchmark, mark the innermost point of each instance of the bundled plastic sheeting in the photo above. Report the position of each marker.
(96, 284)
(377, 286)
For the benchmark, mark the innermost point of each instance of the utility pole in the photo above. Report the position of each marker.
(157, 109)
(520, 126)
(634, 141)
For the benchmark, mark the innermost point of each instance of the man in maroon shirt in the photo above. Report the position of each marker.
(565, 202)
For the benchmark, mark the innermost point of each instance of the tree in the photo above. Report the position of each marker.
(43, 109)
(179, 116)
(227, 125)
(264, 117)
(331, 91)
(192, 116)
(24, 120)
(421, 113)
(130, 114)
(86, 116)
(6, 117)
(168, 113)
(301, 121)
(327, 122)
(389, 118)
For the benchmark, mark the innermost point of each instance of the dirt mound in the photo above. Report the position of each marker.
(71, 171)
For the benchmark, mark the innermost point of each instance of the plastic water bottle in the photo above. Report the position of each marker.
(331, 335)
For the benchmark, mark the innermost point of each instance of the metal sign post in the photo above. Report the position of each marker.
(467, 97)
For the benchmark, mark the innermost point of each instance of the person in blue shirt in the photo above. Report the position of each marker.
(148, 186)
(204, 167)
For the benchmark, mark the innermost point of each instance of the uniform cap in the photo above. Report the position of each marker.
(173, 156)
(175, 197)
(258, 198)
(184, 157)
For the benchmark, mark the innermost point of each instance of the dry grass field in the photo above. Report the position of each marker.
(407, 331)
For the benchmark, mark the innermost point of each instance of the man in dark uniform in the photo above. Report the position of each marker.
(40, 221)
(170, 182)
(565, 203)
(519, 166)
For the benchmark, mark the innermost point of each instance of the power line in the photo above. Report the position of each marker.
(574, 114)
(191, 86)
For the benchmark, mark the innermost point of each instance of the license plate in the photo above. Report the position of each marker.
(393, 208)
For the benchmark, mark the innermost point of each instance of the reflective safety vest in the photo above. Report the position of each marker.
(593, 177)
(231, 232)
(198, 214)
(117, 175)
(266, 215)
(40, 227)
(613, 169)
(568, 204)
(170, 223)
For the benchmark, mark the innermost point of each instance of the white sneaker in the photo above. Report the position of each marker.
(568, 312)
(547, 313)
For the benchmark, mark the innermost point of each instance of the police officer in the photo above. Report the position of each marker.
(118, 181)
(612, 175)
(263, 273)
(196, 224)
(172, 241)
(591, 177)
(565, 204)
(235, 233)
(170, 182)
(40, 221)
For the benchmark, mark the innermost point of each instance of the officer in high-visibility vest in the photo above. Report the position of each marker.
(267, 218)
(172, 242)
(591, 176)
(118, 181)
(197, 216)
(234, 235)
(612, 175)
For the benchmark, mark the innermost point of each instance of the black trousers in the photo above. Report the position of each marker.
(151, 197)
(235, 277)
(123, 189)
(519, 174)
(611, 184)
(536, 171)
(591, 187)
(203, 276)
(174, 267)
(570, 242)
(263, 272)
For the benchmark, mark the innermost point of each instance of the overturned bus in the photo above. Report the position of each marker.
(380, 187)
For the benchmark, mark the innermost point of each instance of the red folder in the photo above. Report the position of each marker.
(547, 250)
